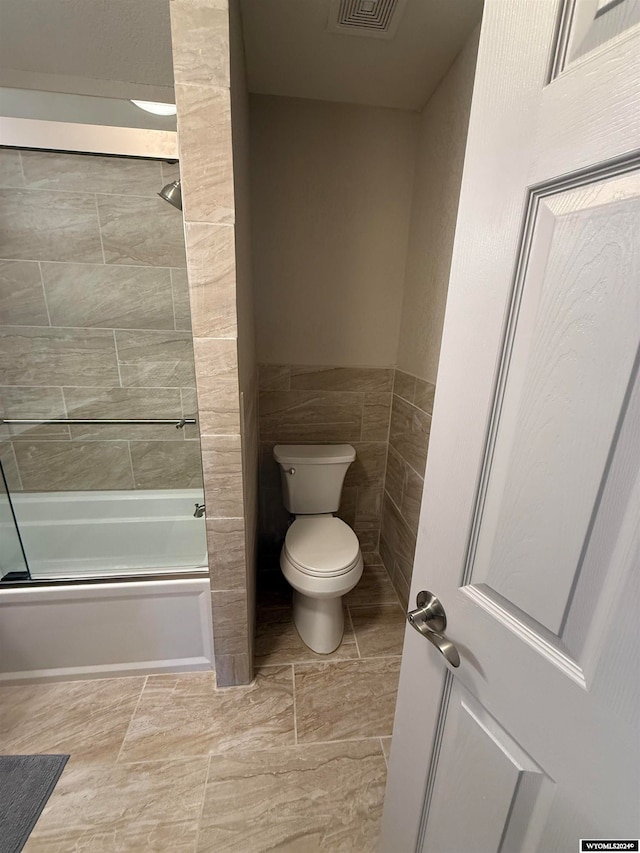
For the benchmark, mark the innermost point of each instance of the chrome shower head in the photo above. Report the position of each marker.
(172, 193)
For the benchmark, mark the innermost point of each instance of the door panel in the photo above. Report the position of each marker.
(577, 329)
(530, 520)
(468, 814)
(593, 23)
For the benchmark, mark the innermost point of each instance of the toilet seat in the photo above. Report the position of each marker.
(322, 546)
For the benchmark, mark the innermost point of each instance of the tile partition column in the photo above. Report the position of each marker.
(201, 53)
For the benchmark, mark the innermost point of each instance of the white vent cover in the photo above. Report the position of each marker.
(373, 18)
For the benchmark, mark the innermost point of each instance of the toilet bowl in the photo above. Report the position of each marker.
(321, 557)
(322, 561)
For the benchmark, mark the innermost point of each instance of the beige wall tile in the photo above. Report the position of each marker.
(226, 543)
(218, 406)
(399, 538)
(369, 504)
(44, 356)
(88, 173)
(212, 279)
(310, 416)
(30, 402)
(140, 231)
(216, 358)
(155, 358)
(180, 292)
(395, 476)
(404, 385)
(10, 168)
(39, 225)
(22, 300)
(371, 379)
(206, 160)
(166, 464)
(423, 395)
(200, 31)
(409, 433)
(124, 403)
(411, 499)
(222, 464)
(230, 619)
(368, 534)
(261, 802)
(345, 699)
(376, 416)
(108, 297)
(368, 468)
(348, 506)
(274, 377)
(234, 670)
(51, 466)
(10, 466)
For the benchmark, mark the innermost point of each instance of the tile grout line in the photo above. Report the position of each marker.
(95, 201)
(204, 797)
(44, 294)
(173, 301)
(384, 754)
(144, 684)
(353, 629)
(295, 707)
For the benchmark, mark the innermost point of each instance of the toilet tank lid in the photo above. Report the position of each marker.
(313, 454)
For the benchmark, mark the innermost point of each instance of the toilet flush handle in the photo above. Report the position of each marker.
(291, 471)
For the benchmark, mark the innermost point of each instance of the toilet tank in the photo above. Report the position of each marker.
(312, 475)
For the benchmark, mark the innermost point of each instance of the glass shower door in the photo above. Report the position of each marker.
(13, 563)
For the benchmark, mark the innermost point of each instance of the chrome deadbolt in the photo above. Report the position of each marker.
(430, 620)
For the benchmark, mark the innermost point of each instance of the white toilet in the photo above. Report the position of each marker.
(321, 556)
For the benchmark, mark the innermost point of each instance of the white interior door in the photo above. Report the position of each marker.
(529, 525)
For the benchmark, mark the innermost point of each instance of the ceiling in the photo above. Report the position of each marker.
(290, 52)
(115, 48)
(122, 49)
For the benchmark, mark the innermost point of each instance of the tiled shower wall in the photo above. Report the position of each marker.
(407, 458)
(94, 323)
(307, 405)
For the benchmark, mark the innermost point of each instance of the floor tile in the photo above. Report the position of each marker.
(374, 587)
(379, 630)
(277, 640)
(184, 715)
(345, 699)
(87, 719)
(317, 799)
(153, 806)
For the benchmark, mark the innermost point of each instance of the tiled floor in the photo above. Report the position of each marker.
(295, 762)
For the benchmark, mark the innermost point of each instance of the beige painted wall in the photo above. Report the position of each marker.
(438, 173)
(331, 197)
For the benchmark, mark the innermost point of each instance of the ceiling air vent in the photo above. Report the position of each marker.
(373, 18)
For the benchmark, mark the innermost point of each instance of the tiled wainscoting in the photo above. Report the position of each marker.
(307, 405)
(408, 445)
(94, 323)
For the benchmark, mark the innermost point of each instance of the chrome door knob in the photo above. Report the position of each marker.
(430, 620)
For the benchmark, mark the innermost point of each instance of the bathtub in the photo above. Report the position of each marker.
(78, 535)
(90, 612)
